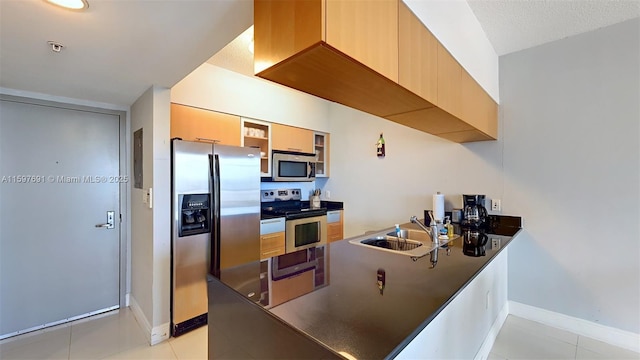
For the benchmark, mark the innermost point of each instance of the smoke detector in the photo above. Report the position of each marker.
(55, 46)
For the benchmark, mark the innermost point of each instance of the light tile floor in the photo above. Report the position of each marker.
(524, 339)
(117, 335)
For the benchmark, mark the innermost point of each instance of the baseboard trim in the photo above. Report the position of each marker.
(160, 333)
(607, 334)
(155, 335)
(490, 339)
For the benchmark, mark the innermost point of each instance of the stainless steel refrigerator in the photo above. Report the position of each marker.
(215, 226)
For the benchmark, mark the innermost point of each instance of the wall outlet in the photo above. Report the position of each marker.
(495, 243)
(495, 205)
(327, 194)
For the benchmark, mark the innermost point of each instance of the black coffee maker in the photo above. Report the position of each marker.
(473, 225)
(474, 214)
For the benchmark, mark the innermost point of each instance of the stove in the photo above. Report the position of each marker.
(287, 203)
(305, 228)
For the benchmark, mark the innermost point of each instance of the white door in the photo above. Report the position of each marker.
(59, 173)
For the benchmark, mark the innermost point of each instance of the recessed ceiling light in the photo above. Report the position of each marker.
(70, 4)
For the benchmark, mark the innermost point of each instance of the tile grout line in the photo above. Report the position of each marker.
(172, 349)
(70, 332)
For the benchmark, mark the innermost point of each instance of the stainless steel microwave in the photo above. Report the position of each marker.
(289, 166)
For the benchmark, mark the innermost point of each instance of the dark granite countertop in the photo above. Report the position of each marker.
(349, 316)
(242, 329)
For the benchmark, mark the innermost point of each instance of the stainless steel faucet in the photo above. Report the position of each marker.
(432, 230)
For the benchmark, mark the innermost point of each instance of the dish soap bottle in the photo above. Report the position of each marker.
(380, 146)
(449, 228)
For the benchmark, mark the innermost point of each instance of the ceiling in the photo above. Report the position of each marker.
(513, 25)
(116, 50)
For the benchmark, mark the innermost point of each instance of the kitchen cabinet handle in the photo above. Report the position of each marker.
(271, 252)
(208, 140)
(270, 236)
(294, 149)
(272, 221)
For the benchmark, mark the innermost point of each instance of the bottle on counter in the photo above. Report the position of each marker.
(449, 228)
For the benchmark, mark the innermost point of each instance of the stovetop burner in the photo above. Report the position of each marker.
(286, 203)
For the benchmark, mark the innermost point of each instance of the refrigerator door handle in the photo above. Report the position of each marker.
(214, 162)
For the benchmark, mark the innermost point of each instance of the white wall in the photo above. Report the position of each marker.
(141, 215)
(380, 192)
(453, 23)
(215, 88)
(571, 168)
(151, 228)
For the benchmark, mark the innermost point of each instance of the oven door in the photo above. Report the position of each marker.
(305, 233)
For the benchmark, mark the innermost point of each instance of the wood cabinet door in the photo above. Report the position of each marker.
(449, 83)
(417, 56)
(335, 232)
(289, 138)
(366, 30)
(335, 229)
(195, 124)
(272, 245)
(478, 108)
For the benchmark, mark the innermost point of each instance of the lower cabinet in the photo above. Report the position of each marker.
(272, 240)
(335, 225)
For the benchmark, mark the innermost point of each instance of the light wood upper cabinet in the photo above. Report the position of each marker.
(195, 124)
(311, 46)
(366, 30)
(284, 28)
(401, 72)
(289, 138)
(418, 56)
(449, 83)
(478, 108)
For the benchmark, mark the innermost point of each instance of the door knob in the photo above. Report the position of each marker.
(110, 221)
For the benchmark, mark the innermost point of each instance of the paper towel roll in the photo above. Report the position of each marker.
(438, 207)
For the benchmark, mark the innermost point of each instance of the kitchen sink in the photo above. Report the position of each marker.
(391, 243)
(418, 243)
(417, 235)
